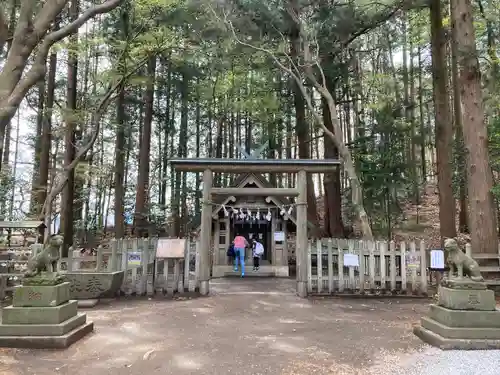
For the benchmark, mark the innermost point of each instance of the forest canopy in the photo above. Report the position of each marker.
(97, 96)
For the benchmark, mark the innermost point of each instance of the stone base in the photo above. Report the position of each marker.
(443, 343)
(464, 319)
(40, 296)
(467, 299)
(466, 333)
(47, 342)
(42, 317)
(39, 315)
(43, 329)
(456, 329)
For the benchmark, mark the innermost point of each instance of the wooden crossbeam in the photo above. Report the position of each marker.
(273, 192)
(255, 165)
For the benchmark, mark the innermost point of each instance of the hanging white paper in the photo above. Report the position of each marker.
(279, 236)
(351, 260)
(437, 259)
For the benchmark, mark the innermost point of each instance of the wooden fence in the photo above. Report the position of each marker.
(144, 274)
(384, 267)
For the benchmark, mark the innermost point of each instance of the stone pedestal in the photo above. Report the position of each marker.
(465, 317)
(42, 317)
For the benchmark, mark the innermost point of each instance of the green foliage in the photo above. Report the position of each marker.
(380, 160)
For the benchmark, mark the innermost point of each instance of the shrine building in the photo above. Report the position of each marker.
(270, 220)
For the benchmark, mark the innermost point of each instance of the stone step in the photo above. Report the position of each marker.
(465, 318)
(39, 315)
(47, 342)
(443, 343)
(249, 274)
(460, 332)
(43, 329)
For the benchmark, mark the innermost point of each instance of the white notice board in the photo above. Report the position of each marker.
(437, 259)
(170, 247)
(351, 260)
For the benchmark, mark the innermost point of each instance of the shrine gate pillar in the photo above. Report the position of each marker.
(206, 233)
(301, 234)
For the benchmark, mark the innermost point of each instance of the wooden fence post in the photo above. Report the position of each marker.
(423, 268)
(187, 258)
(362, 266)
(113, 262)
(309, 266)
(330, 266)
(352, 281)
(404, 282)
(392, 266)
(340, 265)
(319, 265)
(371, 263)
(69, 261)
(99, 259)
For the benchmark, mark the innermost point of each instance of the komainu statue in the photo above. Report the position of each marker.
(45, 260)
(457, 259)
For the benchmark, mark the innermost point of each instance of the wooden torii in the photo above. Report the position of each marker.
(248, 165)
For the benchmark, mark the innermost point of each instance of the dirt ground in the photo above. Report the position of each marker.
(247, 326)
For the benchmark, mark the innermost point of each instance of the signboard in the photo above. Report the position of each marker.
(412, 260)
(351, 260)
(437, 259)
(279, 236)
(134, 259)
(170, 247)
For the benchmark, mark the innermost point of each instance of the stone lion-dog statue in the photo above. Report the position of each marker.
(46, 260)
(458, 259)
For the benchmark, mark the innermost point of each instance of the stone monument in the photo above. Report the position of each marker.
(465, 316)
(42, 315)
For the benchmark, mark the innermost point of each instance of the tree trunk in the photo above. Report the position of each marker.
(301, 125)
(46, 138)
(334, 226)
(141, 198)
(460, 166)
(482, 216)
(68, 194)
(444, 129)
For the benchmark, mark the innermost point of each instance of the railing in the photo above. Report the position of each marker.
(384, 267)
(144, 274)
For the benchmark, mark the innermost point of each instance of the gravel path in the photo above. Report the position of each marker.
(252, 327)
(433, 361)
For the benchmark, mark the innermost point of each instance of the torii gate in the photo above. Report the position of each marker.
(251, 164)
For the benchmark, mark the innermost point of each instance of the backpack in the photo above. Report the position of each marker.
(259, 249)
(230, 251)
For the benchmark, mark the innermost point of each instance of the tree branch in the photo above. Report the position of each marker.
(95, 125)
(38, 70)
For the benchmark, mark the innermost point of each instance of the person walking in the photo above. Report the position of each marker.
(257, 251)
(240, 243)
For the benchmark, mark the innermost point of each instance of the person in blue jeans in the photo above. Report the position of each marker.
(240, 243)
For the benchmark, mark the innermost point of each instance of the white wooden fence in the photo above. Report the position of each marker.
(384, 267)
(144, 274)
